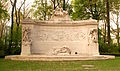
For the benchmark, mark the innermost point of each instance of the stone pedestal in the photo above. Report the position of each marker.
(27, 27)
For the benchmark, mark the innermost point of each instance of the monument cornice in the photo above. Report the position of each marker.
(60, 23)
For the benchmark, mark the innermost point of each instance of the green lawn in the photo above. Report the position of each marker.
(103, 65)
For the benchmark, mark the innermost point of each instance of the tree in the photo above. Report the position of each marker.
(63, 3)
(42, 10)
(108, 22)
(4, 17)
(85, 9)
(3, 12)
(13, 4)
(115, 12)
(18, 15)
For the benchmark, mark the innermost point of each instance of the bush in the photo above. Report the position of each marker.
(15, 51)
(6, 50)
(2, 48)
(103, 48)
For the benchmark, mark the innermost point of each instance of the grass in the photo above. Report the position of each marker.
(103, 65)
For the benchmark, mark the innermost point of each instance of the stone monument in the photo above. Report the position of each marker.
(60, 38)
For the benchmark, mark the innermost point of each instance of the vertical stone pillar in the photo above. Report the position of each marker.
(93, 40)
(27, 26)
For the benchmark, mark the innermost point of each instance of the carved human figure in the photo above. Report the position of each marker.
(93, 42)
(26, 36)
(93, 37)
(60, 12)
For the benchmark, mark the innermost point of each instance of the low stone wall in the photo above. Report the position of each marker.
(59, 37)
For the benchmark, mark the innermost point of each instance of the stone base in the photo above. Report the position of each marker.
(58, 58)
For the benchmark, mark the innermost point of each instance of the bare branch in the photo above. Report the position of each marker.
(67, 1)
(21, 5)
(11, 2)
(113, 19)
(52, 1)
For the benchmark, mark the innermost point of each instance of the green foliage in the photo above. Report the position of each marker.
(3, 13)
(42, 11)
(103, 46)
(2, 46)
(114, 5)
(16, 45)
(84, 9)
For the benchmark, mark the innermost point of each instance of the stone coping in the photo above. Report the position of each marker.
(58, 58)
(60, 23)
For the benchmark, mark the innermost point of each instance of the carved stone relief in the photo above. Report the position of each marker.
(60, 15)
(93, 37)
(26, 35)
(60, 35)
(63, 50)
(60, 12)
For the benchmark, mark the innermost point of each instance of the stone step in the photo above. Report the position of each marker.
(58, 58)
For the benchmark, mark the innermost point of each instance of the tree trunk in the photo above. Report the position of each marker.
(54, 4)
(63, 4)
(90, 1)
(117, 23)
(105, 34)
(45, 10)
(16, 40)
(108, 22)
(24, 10)
(2, 28)
(12, 22)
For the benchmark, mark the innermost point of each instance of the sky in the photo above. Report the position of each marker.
(27, 3)
(30, 2)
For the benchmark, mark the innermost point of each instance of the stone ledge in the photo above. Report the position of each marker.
(67, 23)
(59, 23)
(58, 58)
(28, 21)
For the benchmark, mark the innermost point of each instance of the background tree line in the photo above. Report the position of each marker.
(105, 10)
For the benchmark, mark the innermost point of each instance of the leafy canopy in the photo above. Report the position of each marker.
(3, 13)
(85, 9)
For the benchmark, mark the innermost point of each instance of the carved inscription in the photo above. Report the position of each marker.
(60, 35)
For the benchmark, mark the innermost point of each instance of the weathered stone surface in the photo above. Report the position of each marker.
(57, 58)
(26, 39)
(60, 15)
(79, 39)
